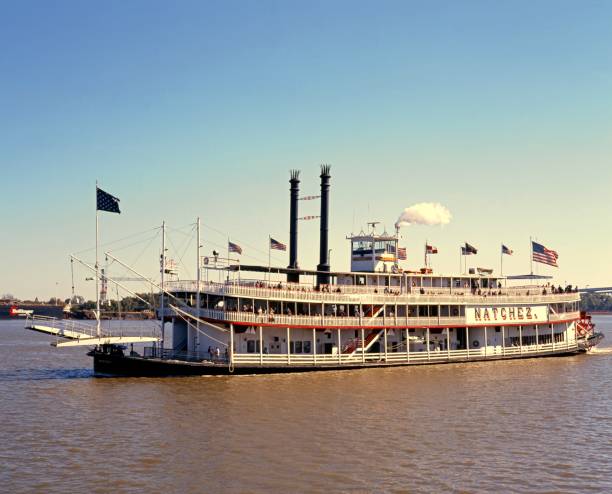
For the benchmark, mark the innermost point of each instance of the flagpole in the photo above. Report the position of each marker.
(97, 269)
(425, 252)
(269, 257)
(501, 261)
(198, 296)
(459, 260)
(163, 270)
(531, 256)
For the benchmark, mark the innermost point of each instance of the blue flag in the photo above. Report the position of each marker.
(106, 202)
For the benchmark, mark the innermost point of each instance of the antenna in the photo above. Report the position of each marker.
(373, 224)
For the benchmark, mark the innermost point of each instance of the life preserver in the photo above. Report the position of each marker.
(475, 344)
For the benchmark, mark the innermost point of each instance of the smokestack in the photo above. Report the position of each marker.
(323, 278)
(293, 225)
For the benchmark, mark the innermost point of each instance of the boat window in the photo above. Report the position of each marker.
(362, 247)
(307, 346)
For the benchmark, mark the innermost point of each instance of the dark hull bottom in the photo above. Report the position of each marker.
(118, 365)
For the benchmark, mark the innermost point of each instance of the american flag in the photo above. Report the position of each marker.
(275, 244)
(106, 202)
(544, 255)
(232, 247)
(401, 253)
(468, 250)
(430, 249)
(506, 250)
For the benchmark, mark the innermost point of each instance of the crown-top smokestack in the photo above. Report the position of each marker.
(323, 278)
(293, 225)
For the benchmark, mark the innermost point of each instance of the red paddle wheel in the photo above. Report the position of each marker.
(584, 325)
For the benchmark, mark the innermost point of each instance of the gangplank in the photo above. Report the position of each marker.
(75, 333)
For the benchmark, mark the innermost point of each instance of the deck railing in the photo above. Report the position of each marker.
(400, 357)
(339, 321)
(366, 294)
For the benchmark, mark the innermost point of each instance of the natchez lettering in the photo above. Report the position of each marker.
(503, 314)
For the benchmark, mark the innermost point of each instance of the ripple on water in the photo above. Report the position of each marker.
(515, 426)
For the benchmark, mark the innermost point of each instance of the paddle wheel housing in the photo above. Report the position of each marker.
(584, 325)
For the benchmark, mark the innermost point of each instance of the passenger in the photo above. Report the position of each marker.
(217, 353)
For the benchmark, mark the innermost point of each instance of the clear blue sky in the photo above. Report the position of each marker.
(502, 111)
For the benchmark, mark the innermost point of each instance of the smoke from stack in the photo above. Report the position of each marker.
(424, 213)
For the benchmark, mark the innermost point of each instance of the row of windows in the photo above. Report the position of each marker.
(543, 339)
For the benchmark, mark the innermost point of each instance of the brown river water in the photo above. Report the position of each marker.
(537, 425)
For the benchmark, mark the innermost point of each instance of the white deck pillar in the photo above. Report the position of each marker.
(288, 346)
(448, 343)
(428, 352)
(231, 348)
(339, 347)
(407, 345)
(537, 337)
(486, 343)
(467, 341)
(503, 330)
(260, 345)
(567, 342)
(314, 345)
(385, 344)
(362, 345)
(552, 336)
(520, 339)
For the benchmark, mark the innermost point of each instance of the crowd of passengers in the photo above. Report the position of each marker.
(475, 289)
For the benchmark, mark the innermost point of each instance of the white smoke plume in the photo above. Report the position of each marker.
(424, 213)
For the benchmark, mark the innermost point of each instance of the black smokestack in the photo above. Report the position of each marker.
(323, 278)
(293, 225)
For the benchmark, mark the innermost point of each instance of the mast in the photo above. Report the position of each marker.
(97, 270)
(162, 270)
(198, 279)
(531, 254)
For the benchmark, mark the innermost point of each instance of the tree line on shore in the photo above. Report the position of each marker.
(600, 302)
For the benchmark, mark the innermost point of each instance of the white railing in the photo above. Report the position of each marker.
(339, 321)
(64, 325)
(362, 294)
(328, 321)
(401, 357)
(80, 329)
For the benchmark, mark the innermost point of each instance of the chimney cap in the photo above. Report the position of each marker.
(325, 168)
(294, 174)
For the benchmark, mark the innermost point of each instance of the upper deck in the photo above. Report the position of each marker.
(421, 290)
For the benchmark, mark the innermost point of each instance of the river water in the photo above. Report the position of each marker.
(537, 425)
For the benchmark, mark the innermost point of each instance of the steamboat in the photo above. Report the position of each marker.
(247, 319)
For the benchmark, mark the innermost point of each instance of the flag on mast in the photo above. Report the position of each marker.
(106, 201)
(401, 253)
(275, 244)
(543, 255)
(468, 250)
(506, 250)
(430, 249)
(232, 247)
